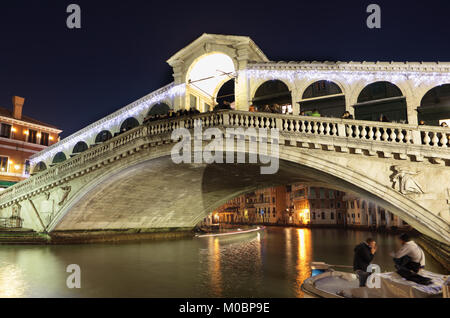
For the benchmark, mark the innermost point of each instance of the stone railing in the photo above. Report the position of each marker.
(426, 140)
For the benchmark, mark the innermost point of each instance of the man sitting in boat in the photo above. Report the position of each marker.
(409, 259)
(364, 253)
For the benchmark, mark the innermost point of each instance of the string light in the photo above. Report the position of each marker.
(171, 90)
(418, 78)
(110, 121)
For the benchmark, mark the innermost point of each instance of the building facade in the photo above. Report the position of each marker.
(316, 206)
(20, 138)
(303, 205)
(363, 213)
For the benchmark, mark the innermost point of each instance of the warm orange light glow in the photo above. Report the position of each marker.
(26, 132)
(13, 129)
(51, 137)
(17, 167)
(38, 135)
(303, 216)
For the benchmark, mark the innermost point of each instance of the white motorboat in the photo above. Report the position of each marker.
(235, 232)
(326, 282)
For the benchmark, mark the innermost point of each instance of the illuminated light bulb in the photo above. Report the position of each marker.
(50, 138)
(13, 129)
(17, 167)
(38, 135)
(26, 132)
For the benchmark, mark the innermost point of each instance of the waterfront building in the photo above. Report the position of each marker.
(364, 213)
(20, 138)
(317, 206)
(270, 205)
(302, 205)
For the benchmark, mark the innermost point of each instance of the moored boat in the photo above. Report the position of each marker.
(325, 282)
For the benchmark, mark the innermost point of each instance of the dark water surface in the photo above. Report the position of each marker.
(272, 263)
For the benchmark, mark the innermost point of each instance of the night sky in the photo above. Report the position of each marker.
(71, 78)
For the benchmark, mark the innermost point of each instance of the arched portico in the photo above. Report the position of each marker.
(325, 96)
(271, 92)
(240, 50)
(435, 106)
(381, 99)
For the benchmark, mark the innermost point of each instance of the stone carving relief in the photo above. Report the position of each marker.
(404, 181)
(15, 212)
(66, 190)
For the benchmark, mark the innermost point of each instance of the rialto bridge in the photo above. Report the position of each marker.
(117, 173)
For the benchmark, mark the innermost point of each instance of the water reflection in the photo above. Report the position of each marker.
(272, 263)
(12, 282)
(215, 273)
(303, 258)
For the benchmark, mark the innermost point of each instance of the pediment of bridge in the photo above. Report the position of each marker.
(241, 49)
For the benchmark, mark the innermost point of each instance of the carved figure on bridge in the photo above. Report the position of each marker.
(16, 210)
(404, 181)
(66, 192)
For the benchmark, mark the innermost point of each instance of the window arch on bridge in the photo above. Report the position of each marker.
(381, 99)
(435, 106)
(59, 157)
(226, 93)
(103, 136)
(158, 109)
(40, 166)
(79, 147)
(128, 124)
(324, 96)
(272, 93)
(204, 76)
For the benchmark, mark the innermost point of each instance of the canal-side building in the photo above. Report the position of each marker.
(364, 213)
(20, 138)
(270, 204)
(317, 206)
(302, 205)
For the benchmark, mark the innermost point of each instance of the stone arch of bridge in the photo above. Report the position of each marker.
(213, 185)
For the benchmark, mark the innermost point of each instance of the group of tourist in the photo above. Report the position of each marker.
(171, 114)
(443, 124)
(409, 259)
(274, 109)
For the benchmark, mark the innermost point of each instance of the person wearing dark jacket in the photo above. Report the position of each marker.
(364, 253)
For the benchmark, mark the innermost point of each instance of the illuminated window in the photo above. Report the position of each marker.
(3, 164)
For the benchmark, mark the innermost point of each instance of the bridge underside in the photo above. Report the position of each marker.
(157, 194)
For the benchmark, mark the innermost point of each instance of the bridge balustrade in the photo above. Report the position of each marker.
(426, 137)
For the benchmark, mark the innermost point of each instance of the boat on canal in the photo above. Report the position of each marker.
(326, 282)
(232, 232)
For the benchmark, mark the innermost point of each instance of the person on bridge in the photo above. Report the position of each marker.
(347, 115)
(364, 253)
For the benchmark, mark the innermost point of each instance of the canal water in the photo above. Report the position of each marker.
(272, 263)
